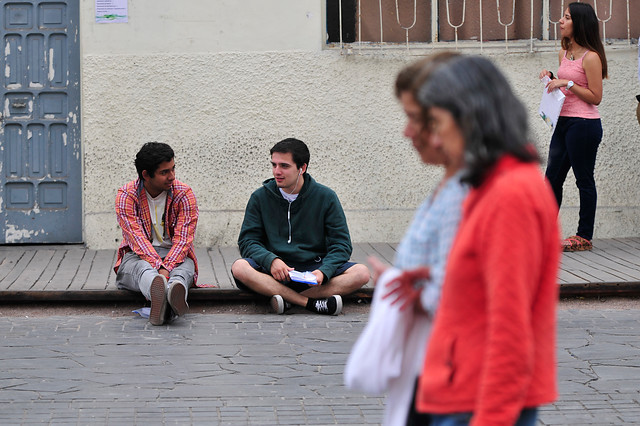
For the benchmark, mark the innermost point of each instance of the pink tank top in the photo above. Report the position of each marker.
(573, 105)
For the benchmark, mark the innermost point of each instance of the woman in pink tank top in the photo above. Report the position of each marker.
(575, 140)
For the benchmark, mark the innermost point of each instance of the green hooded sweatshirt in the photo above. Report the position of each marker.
(316, 228)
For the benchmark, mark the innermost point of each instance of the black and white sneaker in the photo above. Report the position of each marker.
(278, 305)
(329, 306)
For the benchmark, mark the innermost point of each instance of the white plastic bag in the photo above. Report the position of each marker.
(376, 357)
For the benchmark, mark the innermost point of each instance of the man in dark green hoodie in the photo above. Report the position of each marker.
(294, 224)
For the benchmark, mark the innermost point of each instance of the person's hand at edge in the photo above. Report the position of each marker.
(545, 73)
(319, 276)
(402, 288)
(377, 267)
(280, 270)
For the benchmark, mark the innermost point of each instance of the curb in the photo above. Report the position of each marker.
(195, 294)
(622, 289)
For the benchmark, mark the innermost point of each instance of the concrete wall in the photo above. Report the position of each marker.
(222, 85)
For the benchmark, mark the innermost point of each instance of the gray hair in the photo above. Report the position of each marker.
(492, 120)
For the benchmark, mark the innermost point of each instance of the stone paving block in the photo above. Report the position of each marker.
(292, 420)
(123, 371)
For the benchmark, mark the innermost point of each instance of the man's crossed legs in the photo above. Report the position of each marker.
(324, 299)
(138, 275)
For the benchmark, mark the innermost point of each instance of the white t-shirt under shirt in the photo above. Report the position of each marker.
(289, 197)
(156, 210)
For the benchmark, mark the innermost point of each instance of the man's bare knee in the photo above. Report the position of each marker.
(240, 268)
(352, 279)
(360, 274)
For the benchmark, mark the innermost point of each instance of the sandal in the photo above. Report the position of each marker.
(576, 243)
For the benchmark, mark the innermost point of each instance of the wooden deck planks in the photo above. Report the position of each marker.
(623, 252)
(602, 262)
(571, 262)
(82, 273)
(206, 275)
(569, 277)
(633, 243)
(358, 254)
(385, 251)
(47, 275)
(32, 272)
(9, 261)
(69, 268)
(594, 275)
(617, 260)
(598, 266)
(229, 255)
(222, 273)
(100, 269)
(9, 281)
(361, 251)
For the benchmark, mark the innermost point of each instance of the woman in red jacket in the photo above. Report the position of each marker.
(491, 356)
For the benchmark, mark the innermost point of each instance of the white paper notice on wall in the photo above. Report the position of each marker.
(111, 11)
(550, 104)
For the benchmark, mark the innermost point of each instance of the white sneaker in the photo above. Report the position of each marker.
(277, 304)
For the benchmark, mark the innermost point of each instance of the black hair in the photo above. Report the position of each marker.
(586, 31)
(296, 147)
(492, 120)
(150, 156)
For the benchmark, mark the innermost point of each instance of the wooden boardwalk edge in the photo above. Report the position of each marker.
(73, 273)
(623, 289)
(100, 296)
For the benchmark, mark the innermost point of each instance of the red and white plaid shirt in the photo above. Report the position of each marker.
(181, 217)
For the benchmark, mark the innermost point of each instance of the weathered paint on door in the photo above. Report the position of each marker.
(40, 174)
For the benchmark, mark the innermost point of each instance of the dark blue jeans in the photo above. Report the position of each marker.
(528, 417)
(574, 145)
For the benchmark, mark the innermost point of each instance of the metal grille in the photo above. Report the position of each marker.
(508, 25)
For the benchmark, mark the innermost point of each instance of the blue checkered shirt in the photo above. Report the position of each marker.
(428, 239)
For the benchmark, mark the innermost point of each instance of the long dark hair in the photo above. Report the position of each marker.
(586, 32)
(492, 120)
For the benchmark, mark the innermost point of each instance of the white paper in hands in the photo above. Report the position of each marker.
(550, 104)
(303, 277)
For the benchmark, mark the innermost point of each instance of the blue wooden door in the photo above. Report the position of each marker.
(40, 174)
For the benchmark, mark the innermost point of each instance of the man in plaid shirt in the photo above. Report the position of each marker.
(158, 216)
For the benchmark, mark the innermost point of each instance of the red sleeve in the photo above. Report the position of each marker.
(511, 261)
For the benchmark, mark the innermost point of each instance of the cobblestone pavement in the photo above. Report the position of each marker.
(263, 370)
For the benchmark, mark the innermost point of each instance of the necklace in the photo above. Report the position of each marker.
(573, 55)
